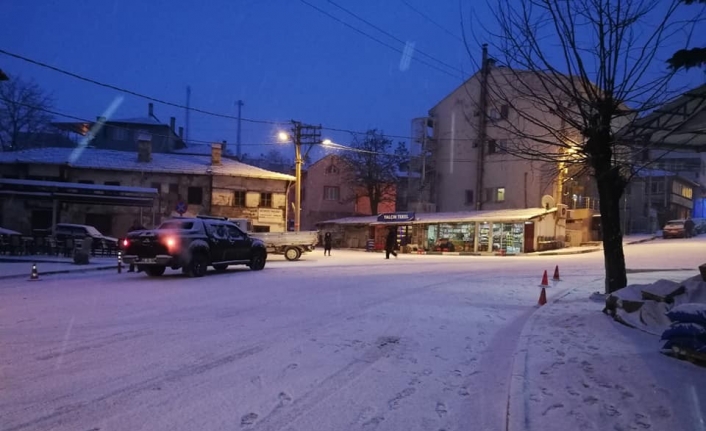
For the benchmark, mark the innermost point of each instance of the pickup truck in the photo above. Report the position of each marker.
(193, 244)
(291, 244)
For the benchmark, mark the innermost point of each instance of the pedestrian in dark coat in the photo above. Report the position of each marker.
(689, 228)
(136, 225)
(390, 243)
(327, 243)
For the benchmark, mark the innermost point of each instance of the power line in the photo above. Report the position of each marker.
(131, 92)
(202, 111)
(428, 18)
(385, 32)
(359, 31)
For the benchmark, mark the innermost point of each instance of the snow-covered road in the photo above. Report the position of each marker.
(345, 342)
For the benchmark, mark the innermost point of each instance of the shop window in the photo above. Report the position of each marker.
(500, 194)
(195, 196)
(239, 198)
(265, 200)
(332, 193)
(484, 237)
(469, 197)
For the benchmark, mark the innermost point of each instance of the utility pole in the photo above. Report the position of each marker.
(237, 138)
(301, 135)
(482, 126)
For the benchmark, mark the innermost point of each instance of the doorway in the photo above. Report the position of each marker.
(529, 237)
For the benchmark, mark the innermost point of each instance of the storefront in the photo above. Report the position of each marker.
(505, 232)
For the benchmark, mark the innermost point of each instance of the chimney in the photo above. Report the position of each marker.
(150, 109)
(172, 124)
(144, 147)
(216, 151)
(181, 133)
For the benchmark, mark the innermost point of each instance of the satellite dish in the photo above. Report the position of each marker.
(548, 202)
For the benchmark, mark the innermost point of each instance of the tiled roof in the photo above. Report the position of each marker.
(91, 158)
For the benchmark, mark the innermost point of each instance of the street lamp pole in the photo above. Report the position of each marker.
(301, 135)
(298, 162)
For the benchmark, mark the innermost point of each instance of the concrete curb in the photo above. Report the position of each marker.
(61, 271)
(640, 241)
(516, 402)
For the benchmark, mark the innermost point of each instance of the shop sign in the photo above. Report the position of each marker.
(270, 215)
(396, 217)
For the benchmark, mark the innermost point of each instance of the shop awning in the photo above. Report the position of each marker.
(95, 194)
(499, 216)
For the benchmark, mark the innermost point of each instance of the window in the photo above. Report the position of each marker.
(494, 114)
(492, 146)
(85, 181)
(332, 169)
(332, 193)
(112, 183)
(266, 200)
(488, 194)
(504, 112)
(501, 146)
(469, 197)
(195, 196)
(120, 134)
(234, 232)
(174, 188)
(500, 194)
(239, 198)
(157, 186)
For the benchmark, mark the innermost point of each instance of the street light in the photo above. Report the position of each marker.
(311, 135)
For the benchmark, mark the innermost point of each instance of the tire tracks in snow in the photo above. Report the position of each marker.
(93, 409)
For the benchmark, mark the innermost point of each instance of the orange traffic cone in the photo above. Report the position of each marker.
(34, 275)
(556, 274)
(542, 297)
(545, 279)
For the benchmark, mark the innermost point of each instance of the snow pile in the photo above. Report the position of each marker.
(646, 306)
(687, 334)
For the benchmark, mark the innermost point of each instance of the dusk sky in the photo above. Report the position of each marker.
(283, 58)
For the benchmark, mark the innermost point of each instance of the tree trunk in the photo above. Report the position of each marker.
(609, 193)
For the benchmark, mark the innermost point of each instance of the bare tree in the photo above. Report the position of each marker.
(23, 113)
(574, 73)
(374, 167)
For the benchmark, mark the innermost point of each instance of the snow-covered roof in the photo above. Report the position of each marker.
(198, 149)
(93, 158)
(514, 215)
(137, 120)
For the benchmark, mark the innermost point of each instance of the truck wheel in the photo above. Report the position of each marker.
(198, 265)
(155, 271)
(292, 253)
(257, 261)
(220, 268)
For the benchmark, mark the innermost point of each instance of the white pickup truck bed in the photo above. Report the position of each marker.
(291, 244)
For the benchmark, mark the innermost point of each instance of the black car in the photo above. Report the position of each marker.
(193, 244)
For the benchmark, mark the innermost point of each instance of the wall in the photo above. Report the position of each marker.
(123, 137)
(224, 204)
(455, 134)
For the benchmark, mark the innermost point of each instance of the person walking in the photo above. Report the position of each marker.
(327, 243)
(136, 225)
(390, 243)
(689, 227)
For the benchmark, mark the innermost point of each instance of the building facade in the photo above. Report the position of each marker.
(327, 194)
(201, 185)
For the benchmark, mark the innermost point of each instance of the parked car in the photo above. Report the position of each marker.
(291, 244)
(674, 229)
(193, 244)
(80, 231)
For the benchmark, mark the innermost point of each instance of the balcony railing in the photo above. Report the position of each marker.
(575, 202)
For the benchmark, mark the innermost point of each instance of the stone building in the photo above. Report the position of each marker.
(41, 187)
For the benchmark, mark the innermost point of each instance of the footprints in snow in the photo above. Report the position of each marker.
(283, 398)
(394, 403)
(248, 419)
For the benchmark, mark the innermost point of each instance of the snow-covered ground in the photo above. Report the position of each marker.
(347, 342)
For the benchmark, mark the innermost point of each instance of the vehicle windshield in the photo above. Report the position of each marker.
(93, 231)
(177, 225)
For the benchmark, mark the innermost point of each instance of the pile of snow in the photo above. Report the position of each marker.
(646, 306)
(687, 333)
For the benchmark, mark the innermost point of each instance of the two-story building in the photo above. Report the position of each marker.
(192, 184)
(327, 194)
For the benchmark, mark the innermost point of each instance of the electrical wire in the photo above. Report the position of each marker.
(385, 32)
(359, 31)
(428, 18)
